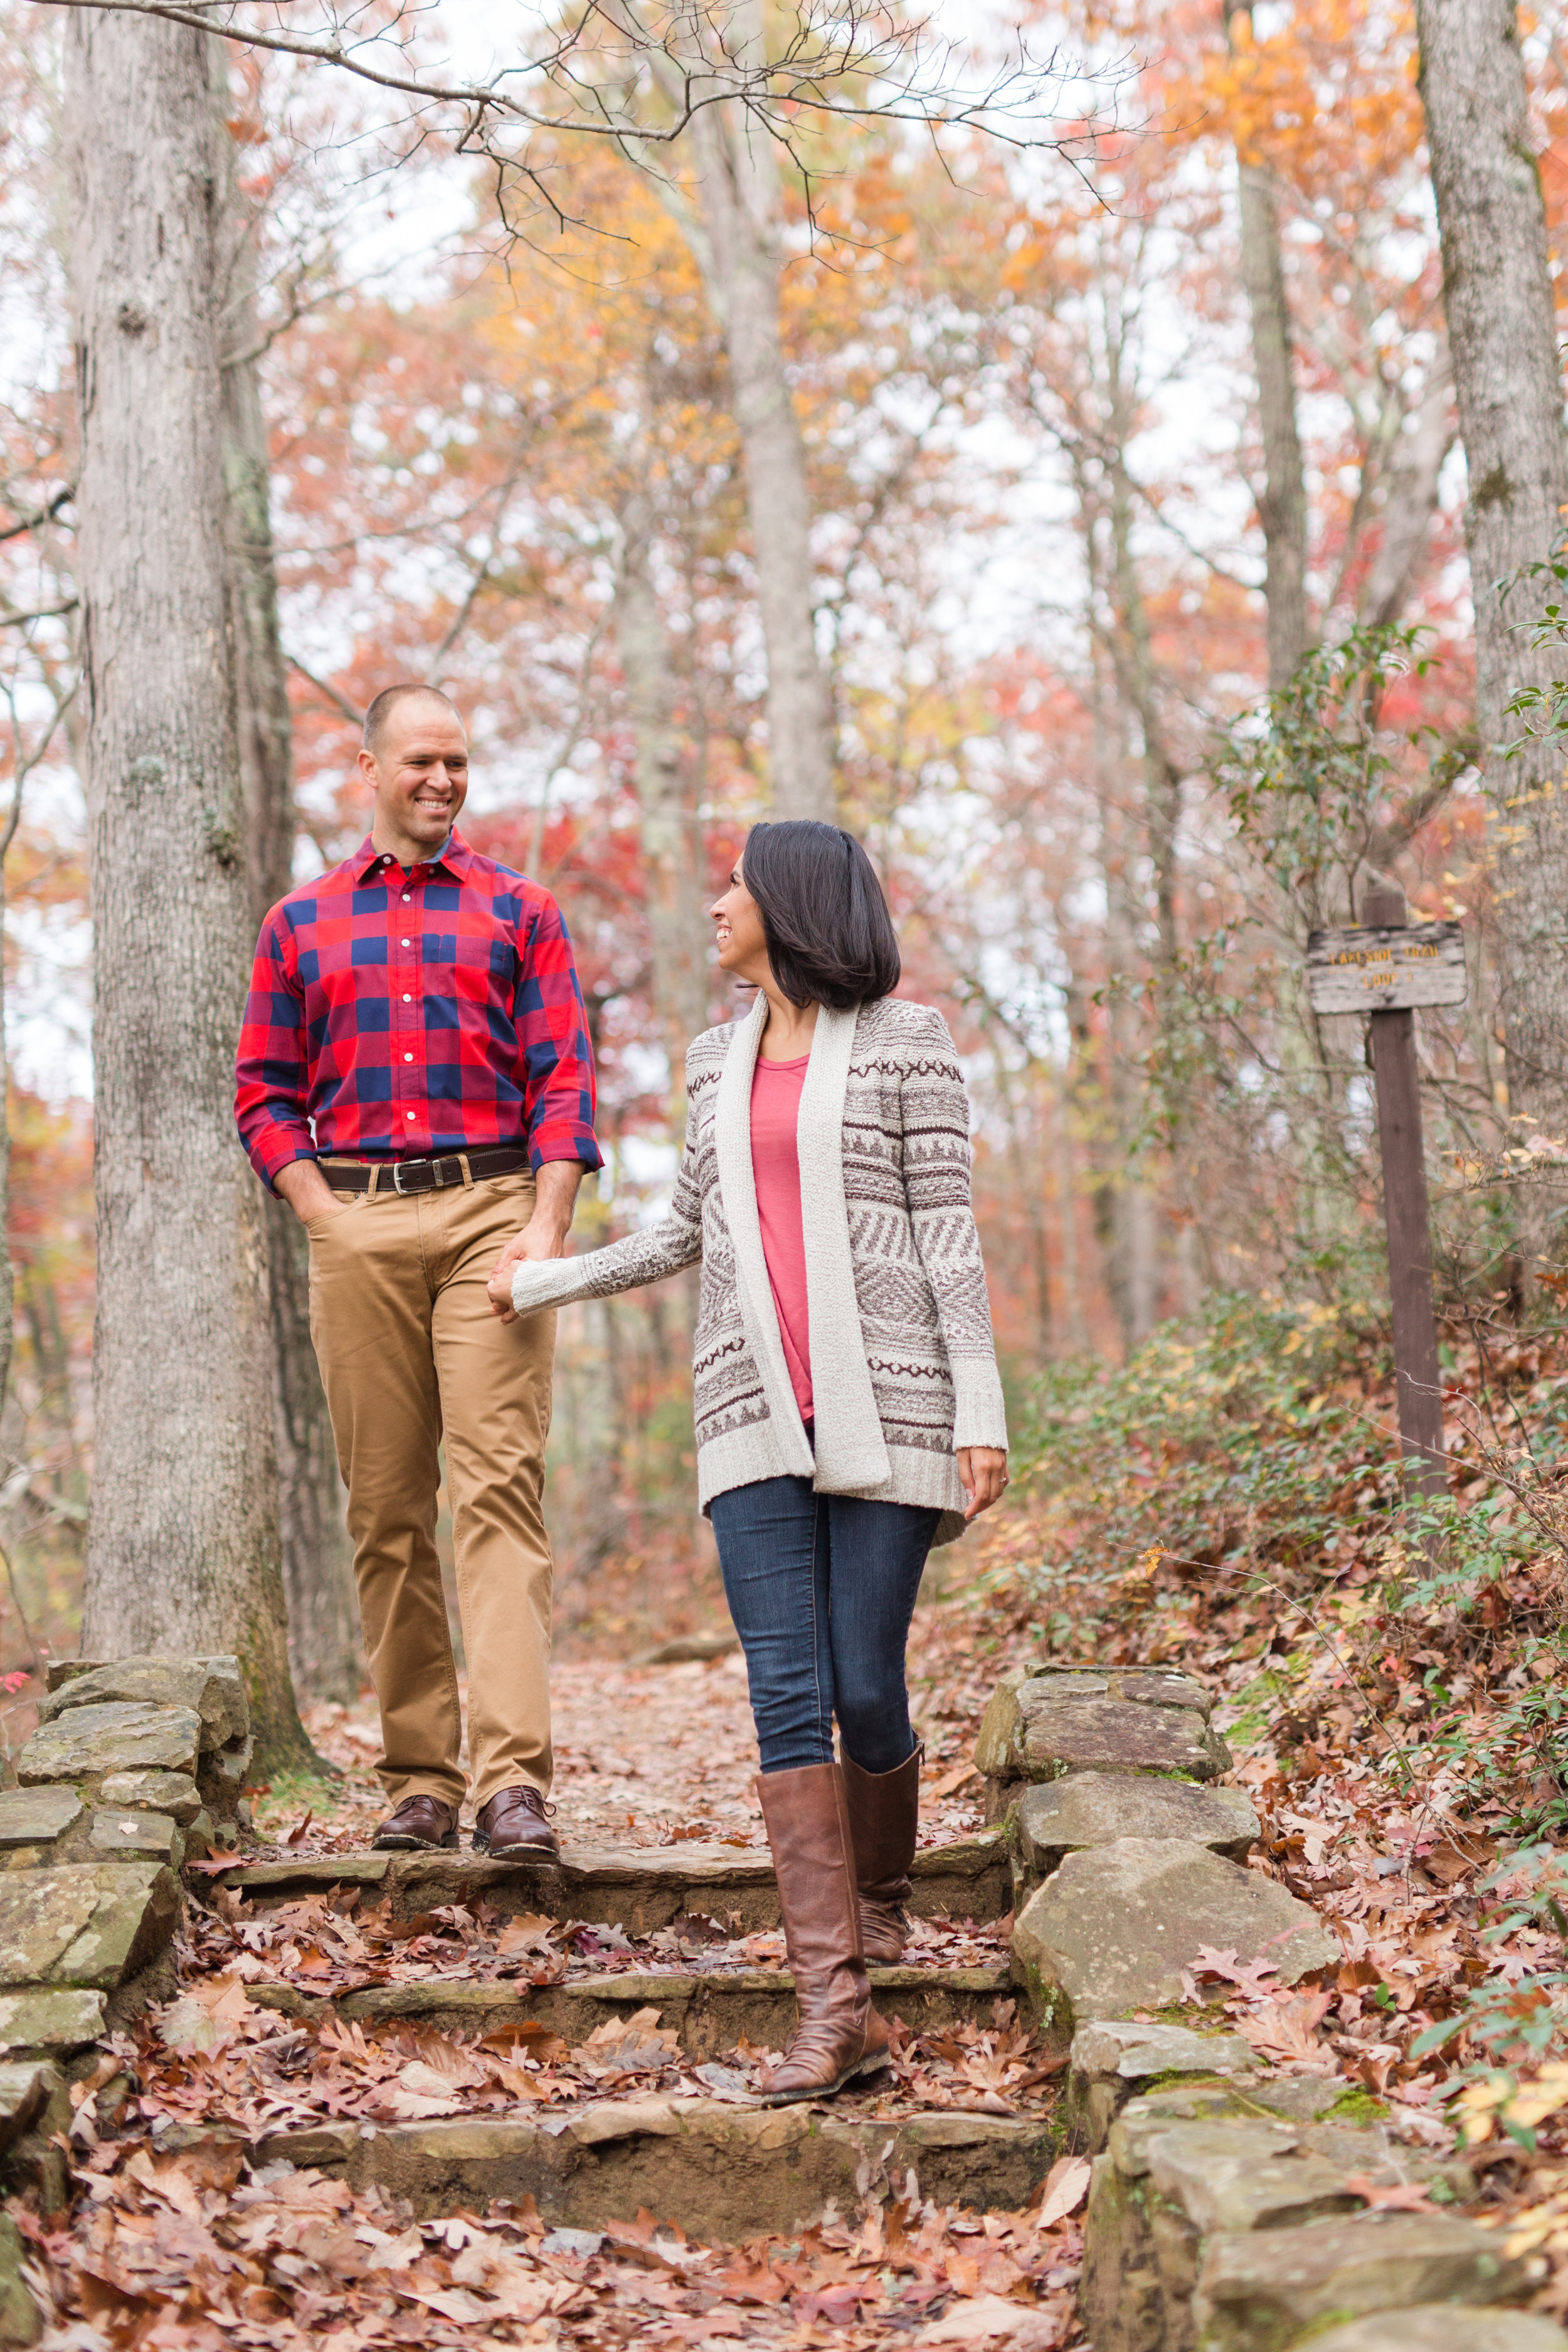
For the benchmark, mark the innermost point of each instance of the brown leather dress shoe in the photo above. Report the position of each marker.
(516, 1821)
(418, 1821)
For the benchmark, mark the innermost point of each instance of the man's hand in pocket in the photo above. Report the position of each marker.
(307, 1191)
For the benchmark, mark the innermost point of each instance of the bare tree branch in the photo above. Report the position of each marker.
(338, 701)
(610, 76)
(25, 761)
(35, 521)
(482, 570)
(573, 736)
(296, 305)
(10, 620)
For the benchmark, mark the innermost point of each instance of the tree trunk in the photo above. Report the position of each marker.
(7, 1276)
(1282, 504)
(738, 253)
(1133, 1266)
(325, 1650)
(1066, 1201)
(325, 1646)
(1414, 467)
(1130, 696)
(1502, 337)
(673, 860)
(182, 1550)
(1131, 650)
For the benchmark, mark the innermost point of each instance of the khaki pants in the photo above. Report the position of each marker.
(410, 1353)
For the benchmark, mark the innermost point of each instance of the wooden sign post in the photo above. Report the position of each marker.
(1388, 967)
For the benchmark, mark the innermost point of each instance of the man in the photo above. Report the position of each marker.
(415, 1079)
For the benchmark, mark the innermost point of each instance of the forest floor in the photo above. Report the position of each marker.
(1398, 1728)
(170, 2246)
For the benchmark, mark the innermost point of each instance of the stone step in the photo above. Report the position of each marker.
(709, 2012)
(1232, 2215)
(1111, 1930)
(638, 1890)
(723, 2173)
(1445, 2328)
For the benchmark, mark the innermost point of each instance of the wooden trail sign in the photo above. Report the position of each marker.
(1387, 967)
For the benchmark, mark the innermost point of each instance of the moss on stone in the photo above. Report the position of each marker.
(1355, 2104)
(1175, 2078)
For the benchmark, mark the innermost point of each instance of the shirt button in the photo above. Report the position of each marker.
(405, 898)
(410, 1114)
(408, 999)
(408, 1057)
(407, 943)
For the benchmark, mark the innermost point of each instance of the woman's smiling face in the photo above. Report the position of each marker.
(742, 941)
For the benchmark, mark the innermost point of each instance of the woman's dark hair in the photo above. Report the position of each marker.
(830, 937)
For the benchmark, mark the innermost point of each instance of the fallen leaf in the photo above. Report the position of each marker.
(441, 2061)
(759, 2284)
(1065, 2187)
(726, 2083)
(631, 2045)
(690, 1927)
(980, 2319)
(528, 1932)
(397, 2253)
(188, 2024)
(452, 2303)
(527, 2040)
(1252, 1977)
(1390, 2196)
(1286, 2030)
(428, 2082)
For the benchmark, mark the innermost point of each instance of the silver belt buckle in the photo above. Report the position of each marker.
(397, 1168)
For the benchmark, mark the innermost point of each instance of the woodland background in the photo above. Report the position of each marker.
(1067, 412)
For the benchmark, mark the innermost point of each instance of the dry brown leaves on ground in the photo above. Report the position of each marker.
(215, 2059)
(644, 1756)
(323, 1945)
(184, 2251)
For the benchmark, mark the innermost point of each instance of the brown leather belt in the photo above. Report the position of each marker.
(384, 1177)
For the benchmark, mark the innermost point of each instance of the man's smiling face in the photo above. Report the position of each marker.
(418, 773)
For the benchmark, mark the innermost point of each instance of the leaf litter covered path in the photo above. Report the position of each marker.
(174, 2240)
(643, 1757)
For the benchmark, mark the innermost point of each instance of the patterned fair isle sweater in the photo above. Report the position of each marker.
(903, 1369)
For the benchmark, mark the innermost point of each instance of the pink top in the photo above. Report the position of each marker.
(776, 1166)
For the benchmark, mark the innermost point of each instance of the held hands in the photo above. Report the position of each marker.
(544, 1236)
(983, 1473)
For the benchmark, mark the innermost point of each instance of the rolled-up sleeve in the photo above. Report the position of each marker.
(552, 1039)
(271, 1073)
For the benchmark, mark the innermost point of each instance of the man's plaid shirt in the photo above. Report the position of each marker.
(401, 1013)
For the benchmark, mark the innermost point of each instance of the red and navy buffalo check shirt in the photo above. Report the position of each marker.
(401, 1013)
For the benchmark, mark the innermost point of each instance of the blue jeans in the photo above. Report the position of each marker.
(822, 1589)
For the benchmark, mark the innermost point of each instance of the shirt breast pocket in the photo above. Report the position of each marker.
(470, 967)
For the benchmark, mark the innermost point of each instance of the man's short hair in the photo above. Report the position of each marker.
(386, 702)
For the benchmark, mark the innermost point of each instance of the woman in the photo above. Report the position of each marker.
(847, 1408)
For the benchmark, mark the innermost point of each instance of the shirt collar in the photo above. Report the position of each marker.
(454, 854)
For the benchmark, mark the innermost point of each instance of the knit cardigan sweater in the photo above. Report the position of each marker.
(903, 1369)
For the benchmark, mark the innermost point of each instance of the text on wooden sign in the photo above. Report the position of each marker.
(1373, 968)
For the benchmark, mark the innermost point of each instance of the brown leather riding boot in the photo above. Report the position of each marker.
(839, 2033)
(884, 1809)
